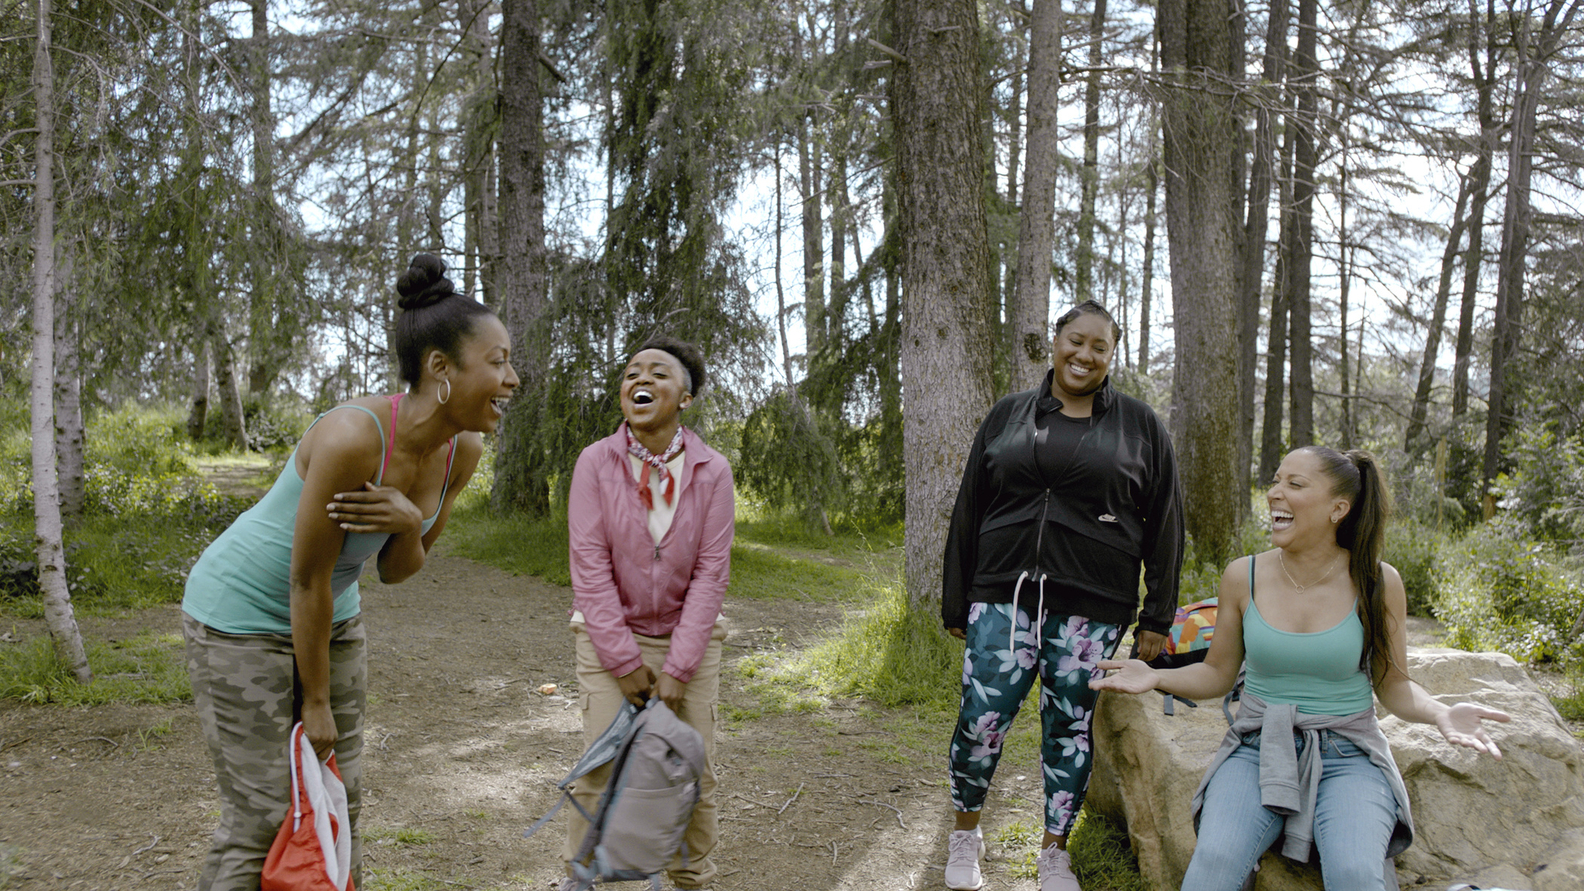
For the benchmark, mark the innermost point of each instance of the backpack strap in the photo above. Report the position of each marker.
(601, 751)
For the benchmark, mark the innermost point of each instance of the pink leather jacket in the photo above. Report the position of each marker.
(625, 584)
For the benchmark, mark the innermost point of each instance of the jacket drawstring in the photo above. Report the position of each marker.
(1038, 619)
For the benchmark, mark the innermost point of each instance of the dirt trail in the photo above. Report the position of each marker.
(463, 753)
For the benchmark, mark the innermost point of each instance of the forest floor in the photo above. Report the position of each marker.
(463, 752)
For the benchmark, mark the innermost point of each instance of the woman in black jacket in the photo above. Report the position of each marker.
(1070, 489)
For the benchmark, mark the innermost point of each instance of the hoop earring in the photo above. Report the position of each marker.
(448, 393)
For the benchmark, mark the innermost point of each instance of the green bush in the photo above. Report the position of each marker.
(140, 441)
(1510, 594)
(1415, 550)
(1545, 490)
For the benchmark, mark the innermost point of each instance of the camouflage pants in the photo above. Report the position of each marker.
(600, 698)
(246, 691)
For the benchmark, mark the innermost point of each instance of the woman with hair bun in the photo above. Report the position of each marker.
(271, 613)
(1319, 621)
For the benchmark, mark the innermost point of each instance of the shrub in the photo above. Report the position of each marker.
(1415, 550)
(1510, 594)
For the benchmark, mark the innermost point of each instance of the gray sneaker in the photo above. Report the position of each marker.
(964, 847)
(1055, 870)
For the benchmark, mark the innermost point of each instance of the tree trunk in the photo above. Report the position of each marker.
(781, 309)
(68, 389)
(1273, 441)
(1089, 174)
(1030, 312)
(51, 552)
(1201, 133)
(521, 480)
(269, 341)
(1344, 288)
(1417, 415)
(1484, 78)
(1151, 189)
(1531, 65)
(1015, 117)
(1300, 265)
(198, 415)
(813, 243)
(1256, 227)
(946, 284)
(229, 390)
(478, 118)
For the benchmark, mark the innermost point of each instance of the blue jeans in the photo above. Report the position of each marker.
(1005, 652)
(1355, 812)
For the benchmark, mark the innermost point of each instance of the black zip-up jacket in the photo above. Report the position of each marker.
(1120, 490)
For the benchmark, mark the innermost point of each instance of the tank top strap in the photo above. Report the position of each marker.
(395, 401)
(384, 450)
(445, 485)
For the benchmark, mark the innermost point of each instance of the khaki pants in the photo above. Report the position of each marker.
(600, 698)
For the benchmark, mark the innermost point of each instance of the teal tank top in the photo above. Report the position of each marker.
(1318, 672)
(241, 583)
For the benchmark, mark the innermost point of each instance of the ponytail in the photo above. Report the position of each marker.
(1356, 476)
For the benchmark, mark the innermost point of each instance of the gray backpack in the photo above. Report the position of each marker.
(636, 829)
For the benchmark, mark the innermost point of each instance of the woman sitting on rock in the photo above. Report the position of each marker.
(1316, 643)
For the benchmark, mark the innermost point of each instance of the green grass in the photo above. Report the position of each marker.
(147, 668)
(398, 835)
(518, 545)
(1102, 858)
(10, 864)
(402, 879)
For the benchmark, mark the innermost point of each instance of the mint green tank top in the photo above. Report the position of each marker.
(241, 583)
(1318, 672)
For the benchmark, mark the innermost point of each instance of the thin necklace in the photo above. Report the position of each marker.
(1301, 588)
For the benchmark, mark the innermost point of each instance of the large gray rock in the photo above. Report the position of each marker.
(1516, 823)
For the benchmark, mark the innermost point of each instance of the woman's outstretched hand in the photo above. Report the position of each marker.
(1124, 676)
(1461, 725)
(375, 509)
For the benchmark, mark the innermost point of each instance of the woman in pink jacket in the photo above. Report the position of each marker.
(650, 516)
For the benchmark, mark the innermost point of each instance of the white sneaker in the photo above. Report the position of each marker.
(1055, 870)
(964, 847)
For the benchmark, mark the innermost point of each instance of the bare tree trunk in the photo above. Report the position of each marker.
(1009, 328)
(781, 310)
(1089, 174)
(1255, 231)
(1151, 189)
(1531, 64)
(46, 500)
(1344, 289)
(229, 390)
(477, 144)
(946, 279)
(1273, 441)
(521, 482)
(1202, 210)
(1030, 313)
(1300, 266)
(813, 244)
(269, 341)
(198, 415)
(1427, 363)
(68, 388)
(1484, 78)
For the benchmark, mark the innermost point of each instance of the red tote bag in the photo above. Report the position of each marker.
(313, 850)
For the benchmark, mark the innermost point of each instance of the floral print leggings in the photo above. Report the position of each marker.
(1003, 650)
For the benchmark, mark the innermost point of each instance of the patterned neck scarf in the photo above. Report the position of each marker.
(657, 463)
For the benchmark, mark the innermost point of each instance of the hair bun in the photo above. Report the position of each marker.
(424, 283)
